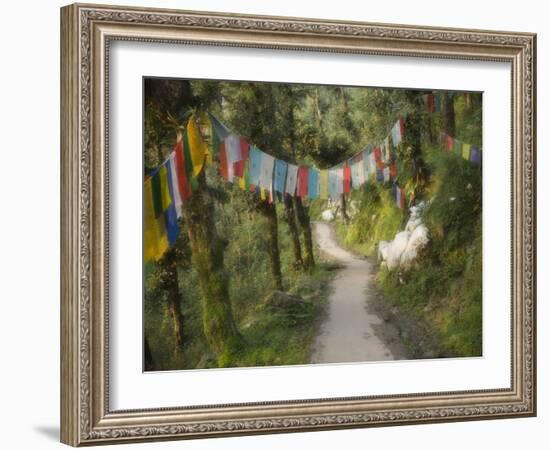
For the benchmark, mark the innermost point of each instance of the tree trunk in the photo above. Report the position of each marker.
(290, 217)
(302, 212)
(270, 213)
(317, 104)
(149, 363)
(345, 106)
(447, 106)
(173, 303)
(344, 209)
(169, 274)
(208, 260)
(430, 128)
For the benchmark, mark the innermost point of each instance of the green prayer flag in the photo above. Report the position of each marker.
(187, 155)
(161, 191)
(457, 147)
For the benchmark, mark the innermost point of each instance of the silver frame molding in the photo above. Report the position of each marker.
(86, 31)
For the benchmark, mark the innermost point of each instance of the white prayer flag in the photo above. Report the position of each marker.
(386, 174)
(340, 179)
(266, 171)
(233, 149)
(291, 178)
(175, 184)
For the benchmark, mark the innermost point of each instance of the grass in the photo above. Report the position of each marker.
(277, 337)
(272, 336)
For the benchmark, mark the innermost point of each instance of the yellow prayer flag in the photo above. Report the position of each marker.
(466, 151)
(241, 182)
(323, 184)
(197, 146)
(155, 240)
(209, 127)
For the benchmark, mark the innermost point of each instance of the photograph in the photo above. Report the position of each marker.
(285, 223)
(296, 224)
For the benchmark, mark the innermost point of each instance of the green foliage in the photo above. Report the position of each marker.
(443, 288)
(456, 203)
(377, 219)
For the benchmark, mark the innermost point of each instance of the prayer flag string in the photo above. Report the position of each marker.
(172, 183)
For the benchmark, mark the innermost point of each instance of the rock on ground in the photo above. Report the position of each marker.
(327, 215)
(407, 244)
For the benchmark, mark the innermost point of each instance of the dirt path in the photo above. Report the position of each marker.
(352, 331)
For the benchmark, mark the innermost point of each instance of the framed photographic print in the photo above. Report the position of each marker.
(274, 224)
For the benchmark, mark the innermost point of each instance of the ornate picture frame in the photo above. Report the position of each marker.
(87, 32)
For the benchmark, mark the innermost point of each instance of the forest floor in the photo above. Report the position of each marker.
(354, 329)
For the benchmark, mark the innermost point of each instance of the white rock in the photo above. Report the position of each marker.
(417, 241)
(406, 245)
(415, 212)
(383, 248)
(412, 224)
(397, 247)
(327, 215)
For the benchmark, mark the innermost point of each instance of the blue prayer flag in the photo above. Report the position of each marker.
(219, 128)
(280, 175)
(366, 163)
(333, 184)
(255, 165)
(170, 214)
(437, 102)
(313, 183)
(475, 155)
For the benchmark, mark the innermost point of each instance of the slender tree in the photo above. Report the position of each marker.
(290, 217)
(208, 260)
(302, 141)
(302, 212)
(448, 110)
(251, 110)
(149, 363)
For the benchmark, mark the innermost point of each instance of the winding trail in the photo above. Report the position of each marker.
(352, 332)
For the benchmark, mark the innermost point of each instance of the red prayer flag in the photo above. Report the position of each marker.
(393, 170)
(238, 166)
(183, 181)
(378, 158)
(431, 103)
(449, 143)
(303, 174)
(402, 126)
(377, 154)
(347, 178)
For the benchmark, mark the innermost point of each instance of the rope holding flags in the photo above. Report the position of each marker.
(172, 183)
